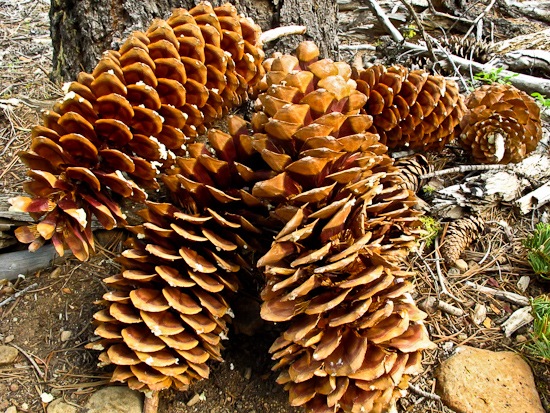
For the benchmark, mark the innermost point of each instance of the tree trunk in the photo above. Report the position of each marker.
(82, 29)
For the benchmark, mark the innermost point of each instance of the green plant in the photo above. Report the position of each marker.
(538, 245)
(410, 31)
(494, 76)
(540, 345)
(542, 100)
(432, 228)
(428, 190)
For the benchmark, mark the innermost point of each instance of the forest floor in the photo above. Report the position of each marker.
(51, 323)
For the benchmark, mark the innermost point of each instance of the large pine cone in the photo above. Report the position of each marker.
(501, 125)
(353, 332)
(410, 109)
(169, 308)
(118, 128)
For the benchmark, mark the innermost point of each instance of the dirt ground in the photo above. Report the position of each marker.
(51, 323)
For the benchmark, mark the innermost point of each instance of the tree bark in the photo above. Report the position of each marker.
(82, 29)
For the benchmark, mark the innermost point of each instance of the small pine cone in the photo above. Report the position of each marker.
(502, 124)
(410, 109)
(353, 334)
(469, 48)
(119, 127)
(168, 310)
(460, 234)
(411, 169)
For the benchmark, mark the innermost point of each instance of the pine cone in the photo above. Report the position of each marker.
(410, 109)
(411, 169)
(501, 125)
(460, 234)
(169, 308)
(469, 48)
(118, 128)
(354, 333)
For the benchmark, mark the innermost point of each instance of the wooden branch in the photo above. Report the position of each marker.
(18, 294)
(526, 60)
(464, 168)
(503, 295)
(430, 304)
(357, 47)
(421, 28)
(278, 32)
(478, 18)
(535, 199)
(385, 21)
(524, 82)
(539, 40)
(538, 10)
(25, 262)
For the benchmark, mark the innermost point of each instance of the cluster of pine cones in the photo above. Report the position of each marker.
(304, 195)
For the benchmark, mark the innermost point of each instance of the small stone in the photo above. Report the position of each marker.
(59, 406)
(14, 387)
(66, 335)
(475, 380)
(8, 354)
(46, 397)
(248, 373)
(11, 409)
(461, 265)
(115, 400)
(523, 283)
(9, 339)
(479, 314)
(24, 407)
(194, 400)
(521, 338)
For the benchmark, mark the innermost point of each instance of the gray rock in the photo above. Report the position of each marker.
(483, 381)
(59, 406)
(8, 354)
(115, 400)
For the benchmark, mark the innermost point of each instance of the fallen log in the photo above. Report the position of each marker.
(537, 10)
(12, 264)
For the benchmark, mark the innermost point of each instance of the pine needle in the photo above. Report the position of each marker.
(540, 346)
(539, 250)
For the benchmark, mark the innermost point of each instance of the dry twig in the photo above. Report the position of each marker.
(464, 168)
(18, 294)
(31, 360)
(421, 28)
(502, 295)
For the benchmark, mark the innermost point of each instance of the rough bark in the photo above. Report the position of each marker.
(82, 29)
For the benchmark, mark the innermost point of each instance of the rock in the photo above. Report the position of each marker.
(521, 338)
(8, 354)
(523, 283)
(59, 406)
(66, 335)
(194, 400)
(115, 400)
(483, 381)
(11, 409)
(461, 265)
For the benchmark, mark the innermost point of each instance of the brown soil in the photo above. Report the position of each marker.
(62, 300)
